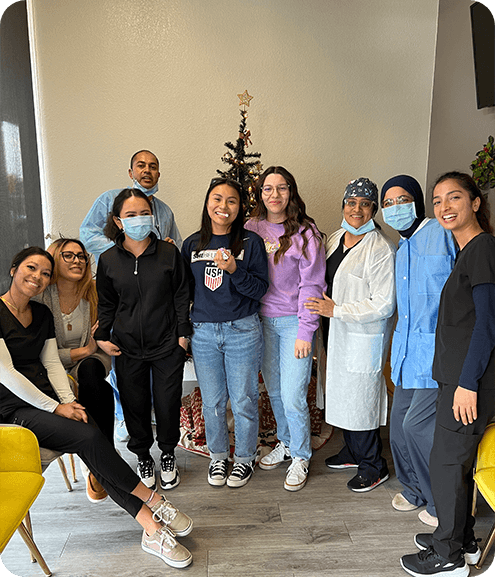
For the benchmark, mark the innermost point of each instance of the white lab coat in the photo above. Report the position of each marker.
(359, 335)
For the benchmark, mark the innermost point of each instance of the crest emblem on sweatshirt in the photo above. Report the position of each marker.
(213, 277)
(271, 247)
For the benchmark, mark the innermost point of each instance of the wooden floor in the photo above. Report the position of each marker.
(260, 529)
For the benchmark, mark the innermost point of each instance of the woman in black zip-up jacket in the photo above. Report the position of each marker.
(143, 312)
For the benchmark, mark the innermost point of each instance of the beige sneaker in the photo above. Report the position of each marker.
(164, 545)
(178, 522)
(400, 503)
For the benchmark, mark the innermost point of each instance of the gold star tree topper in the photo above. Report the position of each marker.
(244, 98)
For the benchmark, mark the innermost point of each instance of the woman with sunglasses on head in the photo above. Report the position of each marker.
(359, 304)
(143, 316)
(296, 262)
(464, 367)
(72, 299)
(423, 263)
(35, 393)
(229, 275)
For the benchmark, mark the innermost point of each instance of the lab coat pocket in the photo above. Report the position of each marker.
(364, 352)
(425, 348)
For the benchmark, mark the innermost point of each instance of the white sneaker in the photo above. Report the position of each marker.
(146, 472)
(297, 474)
(279, 455)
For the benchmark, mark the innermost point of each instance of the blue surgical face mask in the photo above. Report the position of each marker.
(138, 227)
(147, 191)
(368, 227)
(400, 216)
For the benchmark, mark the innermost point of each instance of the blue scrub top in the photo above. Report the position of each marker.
(423, 263)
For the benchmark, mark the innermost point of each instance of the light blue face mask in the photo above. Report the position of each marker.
(368, 227)
(400, 216)
(138, 227)
(147, 191)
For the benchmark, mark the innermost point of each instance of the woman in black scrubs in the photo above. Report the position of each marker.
(464, 366)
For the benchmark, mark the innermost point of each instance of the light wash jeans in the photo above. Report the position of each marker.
(287, 380)
(227, 359)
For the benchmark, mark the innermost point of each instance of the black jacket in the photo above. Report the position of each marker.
(144, 300)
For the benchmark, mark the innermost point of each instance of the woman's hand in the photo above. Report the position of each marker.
(109, 348)
(225, 264)
(184, 343)
(302, 349)
(323, 307)
(464, 406)
(170, 240)
(73, 411)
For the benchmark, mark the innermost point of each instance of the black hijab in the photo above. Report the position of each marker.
(412, 186)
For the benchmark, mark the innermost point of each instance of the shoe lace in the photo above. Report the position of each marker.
(165, 512)
(427, 553)
(218, 467)
(297, 464)
(168, 463)
(239, 469)
(166, 535)
(146, 467)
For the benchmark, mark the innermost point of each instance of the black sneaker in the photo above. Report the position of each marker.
(169, 476)
(146, 472)
(241, 473)
(428, 562)
(360, 484)
(217, 472)
(471, 552)
(334, 462)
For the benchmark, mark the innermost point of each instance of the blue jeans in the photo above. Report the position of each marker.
(227, 358)
(287, 380)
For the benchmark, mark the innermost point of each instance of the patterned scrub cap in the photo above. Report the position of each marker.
(362, 187)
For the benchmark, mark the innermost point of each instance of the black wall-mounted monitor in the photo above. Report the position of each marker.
(483, 29)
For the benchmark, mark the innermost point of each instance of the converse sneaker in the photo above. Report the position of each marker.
(429, 562)
(471, 552)
(334, 462)
(180, 523)
(164, 545)
(279, 455)
(146, 472)
(241, 473)
(297, 474)
(217, 472)
(169, 476)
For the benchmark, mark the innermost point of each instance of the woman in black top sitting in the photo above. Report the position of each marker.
(35, 393)
(464, 366)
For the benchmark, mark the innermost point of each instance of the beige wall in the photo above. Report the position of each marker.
(458, 128)
(341, 90)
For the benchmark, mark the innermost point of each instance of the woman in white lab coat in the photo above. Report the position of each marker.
(359, 304)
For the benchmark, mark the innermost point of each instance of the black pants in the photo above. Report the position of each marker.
(96, 395)
(88, 442)
(364, 448)
(133, 382)
(451, 470)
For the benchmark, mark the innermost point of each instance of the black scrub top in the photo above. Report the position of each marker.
(475, 264)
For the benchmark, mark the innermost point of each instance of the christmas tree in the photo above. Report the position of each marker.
(245, 167)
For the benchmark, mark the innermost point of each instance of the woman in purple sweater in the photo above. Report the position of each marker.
(296, 264)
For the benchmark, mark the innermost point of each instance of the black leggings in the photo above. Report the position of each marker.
(88, 442)
(96, 395)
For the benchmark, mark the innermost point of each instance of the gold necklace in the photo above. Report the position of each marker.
(71, 309)
(10, 304)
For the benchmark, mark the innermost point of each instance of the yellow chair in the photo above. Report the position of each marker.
(484, 479)
(20, 483)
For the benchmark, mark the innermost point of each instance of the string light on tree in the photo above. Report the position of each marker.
(242, 166)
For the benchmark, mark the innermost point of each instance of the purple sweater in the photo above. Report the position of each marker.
(294, 278)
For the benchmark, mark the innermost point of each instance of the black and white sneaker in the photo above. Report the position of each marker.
(360, 484)
(217, 472)
(471, 552)
(146, 472)
(169, 475)
(429, 562)
(241, 473)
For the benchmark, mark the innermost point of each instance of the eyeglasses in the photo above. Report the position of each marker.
(351, 203)
(69, 257)
(399, 200)
(281, 188)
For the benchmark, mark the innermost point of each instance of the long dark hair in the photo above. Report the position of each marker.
(111, 230)
(25, 253)
(296, 213)
(236, 234)
(467, 183)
